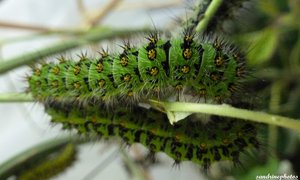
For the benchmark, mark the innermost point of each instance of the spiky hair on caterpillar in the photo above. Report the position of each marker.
(220, 139)
(190, 68)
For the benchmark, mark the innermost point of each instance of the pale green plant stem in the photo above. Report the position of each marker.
(137, 171)
(274, 106)
(15, 97)
(208, 15)
(92, 36)
(100, 167)
(66, 34)
(173, 107)
(228, 111)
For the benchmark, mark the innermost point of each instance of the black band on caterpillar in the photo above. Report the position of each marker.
(220, 139)
(183, 69)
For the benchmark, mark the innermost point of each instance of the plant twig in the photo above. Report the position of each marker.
(209, 14)
(15, 97)
(90, 37)
(23, 26)
(228, 111)
(103, 12)
(137, 171)
(149, 5)
(102, 165)
(40, 29)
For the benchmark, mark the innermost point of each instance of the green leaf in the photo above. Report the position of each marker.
(264, 45)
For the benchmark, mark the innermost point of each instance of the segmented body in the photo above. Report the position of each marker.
(220, 139)
(51, 165)
(179, 69)
(160, 69)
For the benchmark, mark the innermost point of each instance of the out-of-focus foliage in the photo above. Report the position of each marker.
(271, 35)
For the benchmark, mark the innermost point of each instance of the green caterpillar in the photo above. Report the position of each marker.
(221, 139)
(190, 68)
(54, 164)
(183, 69)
